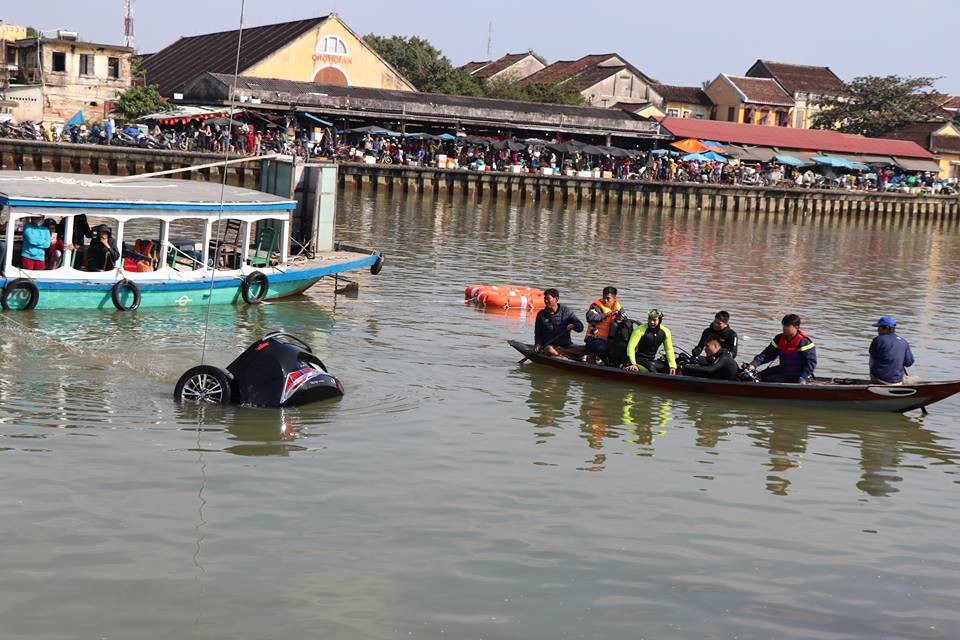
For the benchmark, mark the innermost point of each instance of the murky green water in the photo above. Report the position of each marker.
(452, 493)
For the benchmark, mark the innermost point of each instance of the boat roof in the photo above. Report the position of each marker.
(45, 190)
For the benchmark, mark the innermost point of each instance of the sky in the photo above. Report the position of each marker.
(676, 42)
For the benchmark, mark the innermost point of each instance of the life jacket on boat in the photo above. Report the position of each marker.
(791, 353)
(601, 330)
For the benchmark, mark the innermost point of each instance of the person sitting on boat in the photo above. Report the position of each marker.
(102, 255)
(720, 327)
(796, 351)
(36, 240)
(553, 325)
(717, 363)
(81, 231)
(645, 342)
(600, 317)
(54, 253)
(890, 354)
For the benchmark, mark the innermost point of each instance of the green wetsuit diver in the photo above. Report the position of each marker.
(644, 343)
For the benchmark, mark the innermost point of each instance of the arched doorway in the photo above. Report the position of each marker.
(331, 75)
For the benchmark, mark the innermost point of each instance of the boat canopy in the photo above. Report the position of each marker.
(39, 193)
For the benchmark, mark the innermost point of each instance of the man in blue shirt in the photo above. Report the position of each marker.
(889, 353)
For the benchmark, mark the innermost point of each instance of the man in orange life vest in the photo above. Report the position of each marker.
(797, 353)
(600, 317)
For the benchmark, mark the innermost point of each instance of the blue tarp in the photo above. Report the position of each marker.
(663, 152)
(716, 145)
(714, 156)
(325, 123)
(788, 160)
(840, 163)
(707, 156)
(447, 136)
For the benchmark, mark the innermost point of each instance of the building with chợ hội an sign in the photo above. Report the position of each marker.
(321, 50)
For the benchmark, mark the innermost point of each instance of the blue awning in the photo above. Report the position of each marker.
(788, 160)
(325, 123)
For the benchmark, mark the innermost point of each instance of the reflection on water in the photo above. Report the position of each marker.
(626, 415)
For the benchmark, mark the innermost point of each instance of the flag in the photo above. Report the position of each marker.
(76, 120)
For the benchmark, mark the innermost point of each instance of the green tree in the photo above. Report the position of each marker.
(554, 93)
(139, 101)
(460, 83)
(33, 32)
(876, 105)
(415, 58)
(137, 70)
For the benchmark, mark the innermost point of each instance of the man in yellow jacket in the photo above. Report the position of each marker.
(644, 343)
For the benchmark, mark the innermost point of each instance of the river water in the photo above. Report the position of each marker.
(453, 493)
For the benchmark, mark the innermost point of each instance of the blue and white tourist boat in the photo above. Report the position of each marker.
(181, 242)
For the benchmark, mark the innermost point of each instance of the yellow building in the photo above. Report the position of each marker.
(806, 84)
(323, 50)
(685, 102)
(941, 138)
(750, 100)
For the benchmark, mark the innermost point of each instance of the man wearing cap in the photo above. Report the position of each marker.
(646, 340)
(889, 353)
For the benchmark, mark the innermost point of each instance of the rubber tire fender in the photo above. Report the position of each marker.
(377, 266)
(118, 289)
(249, 281)
(224, 379)
(20, 283)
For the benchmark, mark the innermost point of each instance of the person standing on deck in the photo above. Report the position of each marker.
(890, 354)
(796, 351)
(600, 318)
(553, 325)
(36, 240)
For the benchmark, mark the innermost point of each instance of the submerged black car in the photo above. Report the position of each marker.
(278, 370)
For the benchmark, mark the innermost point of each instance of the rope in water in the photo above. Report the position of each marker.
(223, 187)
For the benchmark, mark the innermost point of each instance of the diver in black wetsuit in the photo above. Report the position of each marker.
(716, 364)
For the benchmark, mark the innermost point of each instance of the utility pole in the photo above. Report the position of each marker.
(128, 39)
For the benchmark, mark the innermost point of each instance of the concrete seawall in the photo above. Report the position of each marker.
(640, 195)
(452, 183)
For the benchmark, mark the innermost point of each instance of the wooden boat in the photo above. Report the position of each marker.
(234, 244)
(832, 393)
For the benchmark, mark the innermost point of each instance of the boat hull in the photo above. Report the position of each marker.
(216, 289)
(821, 394)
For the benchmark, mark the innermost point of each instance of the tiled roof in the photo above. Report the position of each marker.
(761, 90)
(174, 66)
(799, 77)
(687, 95)
(918, 132)
(473, 67)
(789, 138)
(952, 103)
(495, 67)
(563, 70)
(950, 144)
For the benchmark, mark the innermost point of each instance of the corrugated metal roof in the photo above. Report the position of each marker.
(788, 138)
(173, 67)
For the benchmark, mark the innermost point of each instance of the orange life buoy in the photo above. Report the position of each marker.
(505, 297)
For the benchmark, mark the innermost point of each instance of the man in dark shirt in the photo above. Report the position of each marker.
(796, 351)
(889, 353)
(717, 363)
(553, 325)
(720, 327)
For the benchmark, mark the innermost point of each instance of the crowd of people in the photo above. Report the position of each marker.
(614, 340)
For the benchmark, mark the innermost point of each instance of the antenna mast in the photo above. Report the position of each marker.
(128, 23)
(489, 38)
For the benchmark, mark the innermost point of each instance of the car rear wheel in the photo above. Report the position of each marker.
(204, 383)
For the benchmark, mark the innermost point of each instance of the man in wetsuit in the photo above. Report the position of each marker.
(553, 325)
(644, 343)
(796, 351)
(720, 327)
(716, 363)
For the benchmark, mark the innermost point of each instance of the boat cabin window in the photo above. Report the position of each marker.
(226, 243)
(186, 244)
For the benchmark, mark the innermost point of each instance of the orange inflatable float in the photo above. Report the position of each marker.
(505, 296)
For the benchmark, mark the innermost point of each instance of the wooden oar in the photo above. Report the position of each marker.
(547, 344)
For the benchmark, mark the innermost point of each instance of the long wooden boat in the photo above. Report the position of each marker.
(210, 244)
(833, 393)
